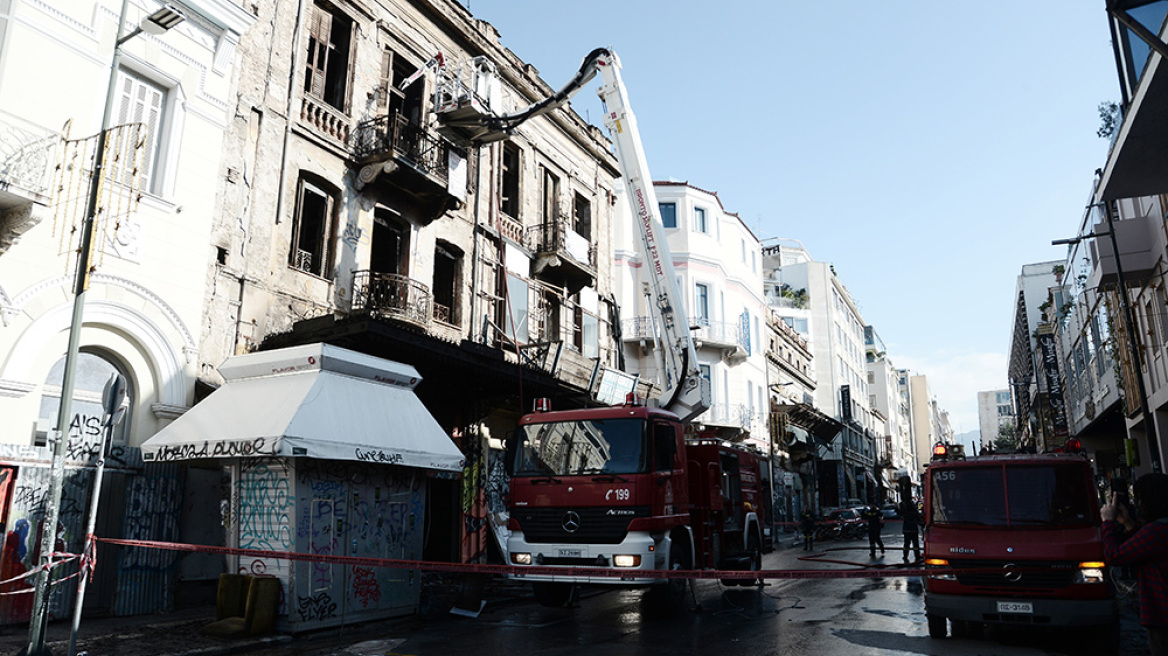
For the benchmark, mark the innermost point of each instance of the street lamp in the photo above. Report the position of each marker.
(1129, 324)
(156, 23)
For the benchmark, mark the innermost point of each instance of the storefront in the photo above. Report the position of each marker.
(330, 453)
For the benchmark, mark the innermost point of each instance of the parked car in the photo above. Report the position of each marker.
(848, 523)
(890, 511)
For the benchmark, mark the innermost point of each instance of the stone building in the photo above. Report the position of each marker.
(351, 214)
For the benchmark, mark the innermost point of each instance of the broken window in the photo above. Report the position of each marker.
(447, 265)
(314, 227)
(509, 183)
(389, 249)
(585, 331)
(551, 194)
(326, 73)
(582, 213)
(409, 103)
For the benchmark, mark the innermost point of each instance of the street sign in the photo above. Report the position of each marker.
(112, 399)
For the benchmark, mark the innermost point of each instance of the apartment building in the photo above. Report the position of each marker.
(718, 262)
(1041, 415)
(838, 353)
(889, 404)
(142, 311)
(995, 415)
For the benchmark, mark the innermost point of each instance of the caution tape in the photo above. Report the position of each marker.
(534, 570)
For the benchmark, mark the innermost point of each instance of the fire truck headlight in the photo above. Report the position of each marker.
(931, 563)
(1090, 572)
(521, 558)
(626, 560)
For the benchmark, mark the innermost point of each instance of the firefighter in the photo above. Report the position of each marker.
(875, 525)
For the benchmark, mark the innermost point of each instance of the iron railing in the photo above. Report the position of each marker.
(26, 154)
(392, 134)
(557, 237)
(392, 296)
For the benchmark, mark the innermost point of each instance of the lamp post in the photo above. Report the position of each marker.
(1129, 325)
(156, 23)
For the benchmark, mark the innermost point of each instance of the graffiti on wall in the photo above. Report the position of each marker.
(262, 519)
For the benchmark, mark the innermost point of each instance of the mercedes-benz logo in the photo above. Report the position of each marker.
(571, 522)
(1012, 575)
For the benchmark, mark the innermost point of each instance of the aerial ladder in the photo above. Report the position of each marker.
(684, 391)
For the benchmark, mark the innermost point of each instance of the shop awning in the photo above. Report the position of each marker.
(315, 401)
(814, 421)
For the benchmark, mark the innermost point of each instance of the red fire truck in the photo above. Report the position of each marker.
(1014, 539)
(620, 488)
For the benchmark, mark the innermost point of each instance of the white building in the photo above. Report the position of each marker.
(926, 432)
(718, 262)
(890, 402)
(150, 254)
(995, 411)
(836, 340)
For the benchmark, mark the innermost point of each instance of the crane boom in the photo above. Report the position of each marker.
(684, 391)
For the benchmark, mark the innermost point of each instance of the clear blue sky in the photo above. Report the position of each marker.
(927, 149)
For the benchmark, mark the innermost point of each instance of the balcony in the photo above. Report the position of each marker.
(562, 256)
(394, 297)
(727, 421)
(26, 157)
(415, 163)
(325, 119)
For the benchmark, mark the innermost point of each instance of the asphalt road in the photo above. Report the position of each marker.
(850, 617)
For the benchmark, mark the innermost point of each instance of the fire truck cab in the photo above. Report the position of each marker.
(1014, 539)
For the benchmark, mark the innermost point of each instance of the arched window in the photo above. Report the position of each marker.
(94, 369)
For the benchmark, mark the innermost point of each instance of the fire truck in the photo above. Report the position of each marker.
(620, 488)
(1015, 539)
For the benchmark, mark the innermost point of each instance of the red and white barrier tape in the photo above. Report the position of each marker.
(535, 570)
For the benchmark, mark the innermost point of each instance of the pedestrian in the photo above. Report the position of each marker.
(910, 528)
(1144, 548)
(807, 527)
(875, 520)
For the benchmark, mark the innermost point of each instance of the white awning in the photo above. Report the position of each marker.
(369, 413)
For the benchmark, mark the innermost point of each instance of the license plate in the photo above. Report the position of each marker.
(1015, 607)
(569, 553)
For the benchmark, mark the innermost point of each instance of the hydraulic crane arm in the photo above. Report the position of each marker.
(684, 391)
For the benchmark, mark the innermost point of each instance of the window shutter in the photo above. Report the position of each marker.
(319, 31)
(141, 102)
(386, 81)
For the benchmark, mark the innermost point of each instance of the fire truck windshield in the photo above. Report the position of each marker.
(568, 448)
(1017, 497)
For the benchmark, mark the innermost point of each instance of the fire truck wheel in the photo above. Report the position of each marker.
(754, 548)
(554, 595)
(937, 626)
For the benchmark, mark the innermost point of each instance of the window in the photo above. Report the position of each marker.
(389, 249)
(587, 333)
(702, 303)
(408, 104)
(326, 74)
(142, 101)
(509, 181)
(447, 265)
(515, 322)
(700, 220)
(551, 195)
(314, 228)
(93, 371)
(668, 214)
(582, 214)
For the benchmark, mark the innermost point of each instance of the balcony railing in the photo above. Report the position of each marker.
(726, 414)
(392, 296)
(557, 237)
(393, 135)
(26, 154)
(327, 120)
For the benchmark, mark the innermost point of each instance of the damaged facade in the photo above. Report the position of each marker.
(351, 216)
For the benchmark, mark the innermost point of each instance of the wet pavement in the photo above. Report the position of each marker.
(785, 617)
